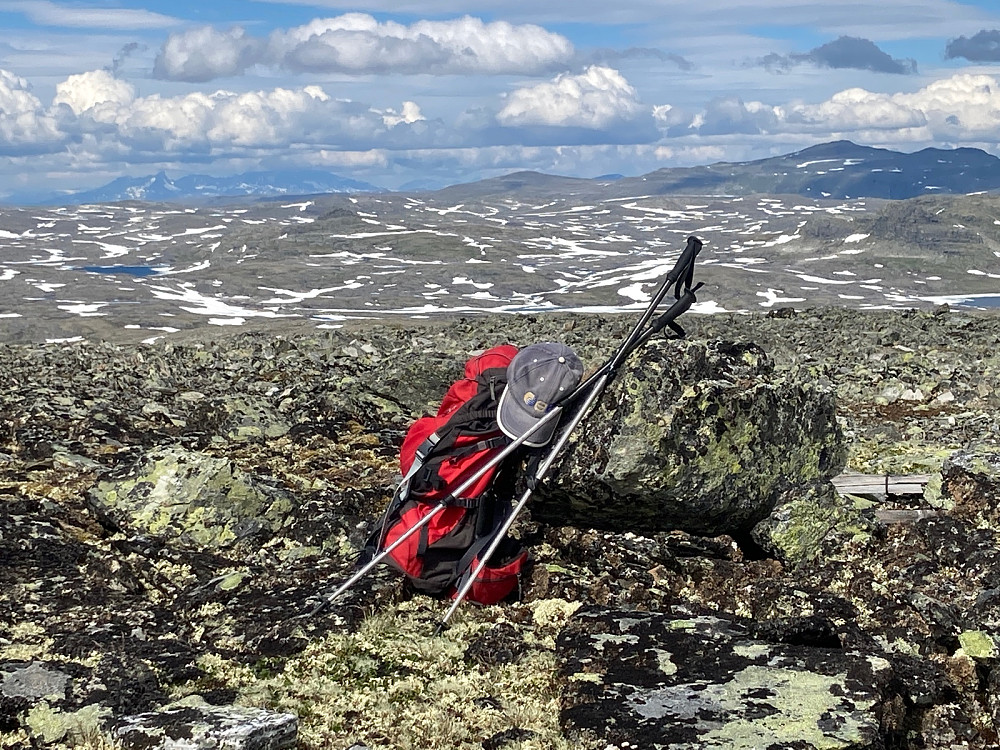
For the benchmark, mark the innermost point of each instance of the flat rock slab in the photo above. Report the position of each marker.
(32, 681)
(192, 724)
(655, 680)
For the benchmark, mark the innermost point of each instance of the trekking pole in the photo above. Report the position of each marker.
(594, 387)
(540, 473)
(681, 272)
(444, 503)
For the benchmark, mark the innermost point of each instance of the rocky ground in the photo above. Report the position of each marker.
(172, 514)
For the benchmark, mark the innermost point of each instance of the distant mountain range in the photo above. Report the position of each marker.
(267, 184)
(839, 170)
(842, 169)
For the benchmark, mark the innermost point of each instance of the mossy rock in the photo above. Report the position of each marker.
(191, 499)
(702, 437)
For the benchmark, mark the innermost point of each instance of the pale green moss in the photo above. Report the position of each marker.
(394, 685)
(882, 455)
(977, 644)
(682, 624)
(934, 495)
(25, 641)
(19, 738)
(552, 614)
(231, 581)
(52, 725)
(664, 660)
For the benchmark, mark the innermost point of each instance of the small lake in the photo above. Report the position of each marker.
(127, 270)
(991, 300)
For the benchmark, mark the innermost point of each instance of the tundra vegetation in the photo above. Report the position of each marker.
(172, 512)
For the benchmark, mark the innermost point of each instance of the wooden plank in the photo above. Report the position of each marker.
(887, 484)
(906, 515)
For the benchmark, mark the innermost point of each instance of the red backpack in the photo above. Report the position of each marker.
(438, 454)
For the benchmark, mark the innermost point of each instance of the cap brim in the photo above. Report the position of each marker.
(514, 422)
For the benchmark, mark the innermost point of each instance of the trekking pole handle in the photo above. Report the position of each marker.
(690, 252)
(681, 306)
(640, 333)
(682, 268)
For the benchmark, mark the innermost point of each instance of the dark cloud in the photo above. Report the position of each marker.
(844, 52)
(338, 51)
(123, 54)
(607, 56)
(983, 46)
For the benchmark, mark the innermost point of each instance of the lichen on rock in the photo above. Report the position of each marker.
(725, 689)
(192, 499)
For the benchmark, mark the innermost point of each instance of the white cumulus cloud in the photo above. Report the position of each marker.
(109, 118)
(94, 90)
(854, 109)
(25, 125)
(357, 43)
(409, 113)
(204, 53)
(596, 98)
(962, 107)
(226, 120)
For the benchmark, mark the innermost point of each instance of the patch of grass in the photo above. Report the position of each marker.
(393, 685)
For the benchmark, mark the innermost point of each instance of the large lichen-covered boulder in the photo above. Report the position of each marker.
(191, 499)
(698, 436)
(658, 680)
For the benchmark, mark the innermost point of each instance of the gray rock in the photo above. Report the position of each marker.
(680, 681)
(33, 681)
(247, 419)
(702, 437)
(192, 724)
(797, 530)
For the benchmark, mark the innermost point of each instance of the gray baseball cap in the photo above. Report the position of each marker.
(538, 377)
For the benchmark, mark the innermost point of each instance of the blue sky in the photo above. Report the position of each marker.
(436, 91)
